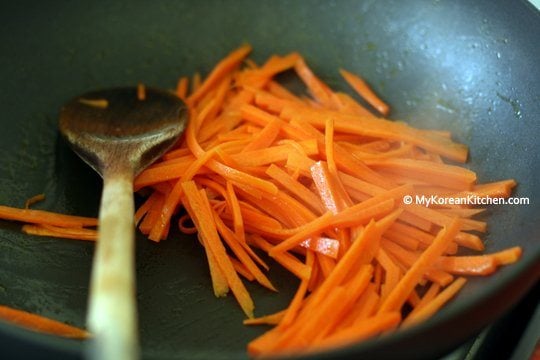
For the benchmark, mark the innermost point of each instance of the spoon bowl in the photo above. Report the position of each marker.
(118, 132)
(115, 122)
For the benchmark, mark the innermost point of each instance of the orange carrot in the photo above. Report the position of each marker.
(201, 214)
(97, 103)
(41, 324)
(361, 330)
(169, 205)
(34, 199)
(317, 88)
(182, 87)
(508, 256)
(222, 69)
(450, 176)
(141, 92)
(241, 269)
(294, 307)
(432, 306)
(241, 254)
(362, 88)
(45, 217)
(272, 319)
(399, 294)
(318, 183)
(75, 233)
(467, 265)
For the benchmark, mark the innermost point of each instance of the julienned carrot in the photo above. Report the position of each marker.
(75, 233)
(362, 88)
(320, 91)
(508, 256)
(319, 184)
(45, 217)
(141, 92)
(182, 87)
(377, 128)
(436, 303)
(221, 70)
(41, 324)
(34, 199)
(242, 256)
(202, 216)
(450, 176)
(398, 295)
(361, 330)
(272, 319)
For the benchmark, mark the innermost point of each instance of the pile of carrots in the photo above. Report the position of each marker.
(317, 183)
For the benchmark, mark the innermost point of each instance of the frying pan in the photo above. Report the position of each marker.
(466, 66)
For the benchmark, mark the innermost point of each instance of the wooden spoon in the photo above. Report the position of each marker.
(118, 132)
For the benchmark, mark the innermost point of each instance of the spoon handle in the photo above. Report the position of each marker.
(112, 316)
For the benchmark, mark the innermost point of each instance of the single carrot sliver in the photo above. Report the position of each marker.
(41, 323)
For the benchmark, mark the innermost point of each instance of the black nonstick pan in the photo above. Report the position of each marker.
(471, 67)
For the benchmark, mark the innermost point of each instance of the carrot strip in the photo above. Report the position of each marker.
(152, 176)
(392, 272)
(265, 137)
(45, 217)
(233, 243)
(329, 187)
(344, 266)
(241, 269)
(186, 229)
(220, 70)
(329, 145)
(431, 307)
(182, 87)
(294, 307)
(236, 212)
(202, 216)
(353, 216)
(169, 205)
(33, 200)
(219, 280)
(41, 324)
(317, 88)
(272, 319)
(323, 246)
(153, 214)
(408, 259)
(362, 88)
(399, 294)
(378, 128)
(508, 256)
(273, 154)
(295, 188)
(60, 232)
(305, 331)
(288, 261)
(144, 208)
(141, 92)
(433, 291)
(355, 287)
(402, 239)
(361, 330)
(347, 105)
(467, 265)
(264, 343)
(326, 265)
(453, 177)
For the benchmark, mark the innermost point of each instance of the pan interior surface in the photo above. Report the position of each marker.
(467, 67)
